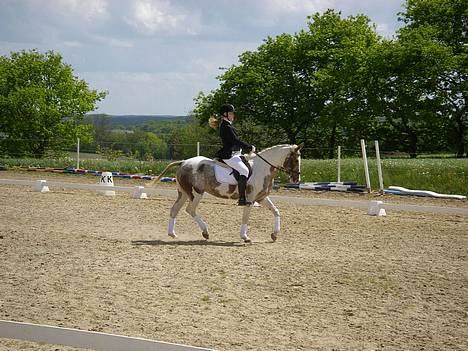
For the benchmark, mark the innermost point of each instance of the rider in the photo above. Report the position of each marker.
(233, 147)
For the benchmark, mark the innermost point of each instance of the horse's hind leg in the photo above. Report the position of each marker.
(192, 210)
(181, 199)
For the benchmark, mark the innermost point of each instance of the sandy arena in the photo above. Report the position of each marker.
(336, 279)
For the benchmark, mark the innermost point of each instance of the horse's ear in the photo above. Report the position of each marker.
(299, 147)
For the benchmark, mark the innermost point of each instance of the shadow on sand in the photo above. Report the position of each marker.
(189, 243)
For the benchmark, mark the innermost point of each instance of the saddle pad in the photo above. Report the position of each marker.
(224, 176)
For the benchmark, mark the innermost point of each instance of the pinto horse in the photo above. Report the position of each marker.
(198, 175)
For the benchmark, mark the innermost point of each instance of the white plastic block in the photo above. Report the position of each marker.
(139, 193)
(40, 186)
(376, 208)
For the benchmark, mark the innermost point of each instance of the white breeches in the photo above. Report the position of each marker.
(236, 163)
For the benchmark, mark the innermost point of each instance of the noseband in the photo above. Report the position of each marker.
(281, 168)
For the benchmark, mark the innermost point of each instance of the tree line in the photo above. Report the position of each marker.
(333, 83)
(174, 138)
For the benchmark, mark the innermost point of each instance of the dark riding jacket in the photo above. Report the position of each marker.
(230, 140)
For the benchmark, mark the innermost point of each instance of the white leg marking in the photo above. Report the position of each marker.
(245, 220)
(277, 218)
(203, 226)
(243, 232)
(171, 228)
(277, 226)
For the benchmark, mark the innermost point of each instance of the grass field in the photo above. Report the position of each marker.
(443, 175)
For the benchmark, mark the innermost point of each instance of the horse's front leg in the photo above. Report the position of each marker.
(245, 220)
(277, 224)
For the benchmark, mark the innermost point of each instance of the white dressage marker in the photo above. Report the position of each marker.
(106, 180)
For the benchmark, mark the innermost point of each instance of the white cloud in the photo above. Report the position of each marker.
(148, 93)
(73, 44)
(114, 42)
(306, 7)
(89, 10)
(151, 16)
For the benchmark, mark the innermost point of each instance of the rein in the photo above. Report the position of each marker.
(281, 168)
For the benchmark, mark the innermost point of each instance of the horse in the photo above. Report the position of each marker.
(198, 175)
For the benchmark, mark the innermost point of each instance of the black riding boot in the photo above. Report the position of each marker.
(242, 185)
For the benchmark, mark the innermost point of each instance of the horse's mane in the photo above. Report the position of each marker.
(251, 156)
(274, 147)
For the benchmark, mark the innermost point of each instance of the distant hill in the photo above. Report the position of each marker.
(141, 119)
(132, 120)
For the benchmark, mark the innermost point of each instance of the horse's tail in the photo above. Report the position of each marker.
(170, 165)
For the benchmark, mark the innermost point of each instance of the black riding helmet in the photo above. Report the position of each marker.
(226, 108)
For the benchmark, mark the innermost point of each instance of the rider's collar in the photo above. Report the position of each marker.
(225, 118)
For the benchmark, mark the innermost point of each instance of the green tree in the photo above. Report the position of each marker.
(42, 103)
(447, 23)
(406, 74)
(147, 145)
(302, 87)
(336, 52)
(102, 127)
(183, 141)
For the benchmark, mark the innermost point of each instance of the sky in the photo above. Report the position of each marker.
(153, 57)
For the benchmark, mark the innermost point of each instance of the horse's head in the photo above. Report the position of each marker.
(284, 157)
(292, 163)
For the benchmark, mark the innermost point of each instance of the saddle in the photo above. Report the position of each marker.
(226, 174)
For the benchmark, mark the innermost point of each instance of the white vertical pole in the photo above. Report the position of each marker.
(78, 154)
(379, 167)
(339, 164)
(198, 148)
(366, 167)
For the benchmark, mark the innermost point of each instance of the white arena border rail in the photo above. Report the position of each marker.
(360, 204)
(85, 339)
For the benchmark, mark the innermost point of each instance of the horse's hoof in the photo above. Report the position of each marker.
(247, 240)
(274, 236)
(206, 235)
(172, 235)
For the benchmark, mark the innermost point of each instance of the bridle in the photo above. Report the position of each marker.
(281, 168)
